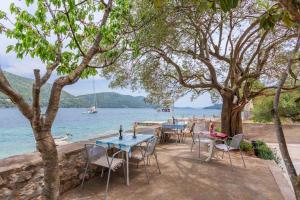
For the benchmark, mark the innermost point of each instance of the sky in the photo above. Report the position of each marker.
(9, 62)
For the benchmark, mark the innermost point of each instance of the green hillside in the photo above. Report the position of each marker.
(24, 87)
(215, 106)
(114, 100)
(104, 100)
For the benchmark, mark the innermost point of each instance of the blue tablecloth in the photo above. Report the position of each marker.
(174, 126)
(126, 143)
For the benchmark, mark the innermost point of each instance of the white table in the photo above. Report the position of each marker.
(125, 145)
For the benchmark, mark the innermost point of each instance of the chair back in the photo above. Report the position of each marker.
(192, 127)
(94, 152)
(236, 141)
(199, 126)
(149, 150)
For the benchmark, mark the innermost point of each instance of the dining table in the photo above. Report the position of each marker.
(177, 127)
(213, 137)
(125, 144)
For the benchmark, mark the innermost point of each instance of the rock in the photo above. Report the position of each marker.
(30, 191)
(21, 177)
(6, 194)
(2, 182)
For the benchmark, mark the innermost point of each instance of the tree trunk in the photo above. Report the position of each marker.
(231, 121)
(295, 179)
(46, 146)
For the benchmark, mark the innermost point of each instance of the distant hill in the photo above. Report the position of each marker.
(104, 100)
(24, 87)
(215, 106)
(114, 100)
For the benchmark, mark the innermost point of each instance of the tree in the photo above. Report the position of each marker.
(295, 179)
(66, 35)
(293, 9)
(191, 46)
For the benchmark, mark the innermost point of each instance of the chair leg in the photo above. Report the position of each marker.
(230, 159)
(157, 163)
(145, 168)
(124, 170)
(192, 145)
(107, 184)
(223, 154)
(85, 171)
(137, 164)
(243, 158)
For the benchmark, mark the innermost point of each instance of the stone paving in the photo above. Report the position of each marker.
(185, 177)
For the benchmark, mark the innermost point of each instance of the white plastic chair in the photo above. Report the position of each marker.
(97, 155)
(234, 145)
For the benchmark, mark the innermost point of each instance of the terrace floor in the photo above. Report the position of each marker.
(185, 177)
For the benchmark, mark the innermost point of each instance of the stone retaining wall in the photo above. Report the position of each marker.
(21, 176)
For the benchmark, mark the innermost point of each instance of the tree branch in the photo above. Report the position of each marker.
(15, 97)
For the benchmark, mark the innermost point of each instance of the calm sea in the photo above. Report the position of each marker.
(16, 136)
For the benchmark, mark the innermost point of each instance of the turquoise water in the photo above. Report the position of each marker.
(16, 136)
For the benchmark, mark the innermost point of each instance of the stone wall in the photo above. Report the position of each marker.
(21, 176)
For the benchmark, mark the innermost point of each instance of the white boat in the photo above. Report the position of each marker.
(93, 109)
(62, 140)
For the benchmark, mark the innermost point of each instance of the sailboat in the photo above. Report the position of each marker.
(93, 109)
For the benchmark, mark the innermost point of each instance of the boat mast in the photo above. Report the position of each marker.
(95, 95)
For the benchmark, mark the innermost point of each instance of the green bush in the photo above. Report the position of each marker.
(264, 151)
(289, 107)
(262, 111)
(246, 146)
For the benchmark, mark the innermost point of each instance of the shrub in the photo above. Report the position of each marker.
(246, 146)
(264, 151)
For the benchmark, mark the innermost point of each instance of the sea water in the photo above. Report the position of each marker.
(16, 135)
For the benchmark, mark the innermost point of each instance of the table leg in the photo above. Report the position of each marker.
(127, 168)
(211, 150)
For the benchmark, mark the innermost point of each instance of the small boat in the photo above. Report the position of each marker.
(62, 140)
(166, 110)
(92, 110)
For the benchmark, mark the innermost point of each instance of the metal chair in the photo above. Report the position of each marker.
(234, 145)
(171, 132)
(145, 153)
(188, 130)
(97, 155)
(196, 136)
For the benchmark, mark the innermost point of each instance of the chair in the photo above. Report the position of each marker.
(170, 131)
(145, 152)
(188, 130)
(97, 155)
(234, 145)
(196, 135)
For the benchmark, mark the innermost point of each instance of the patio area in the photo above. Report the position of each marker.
(184, 176)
